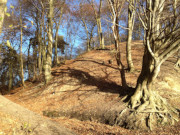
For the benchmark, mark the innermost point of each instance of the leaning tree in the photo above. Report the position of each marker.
(160, 19)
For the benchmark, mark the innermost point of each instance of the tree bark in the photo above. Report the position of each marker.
(87, 34)
(56, 61)
(115, 29)
(44, 46)
(2, 11)
(146, 108)
(40, 53)
(101, 38)
(29, 61)
(149, 72)
(34, 62)
(116, 10)
(98, 21)
(131, 18)
(21, 39)
(10, 76)
(50, 44)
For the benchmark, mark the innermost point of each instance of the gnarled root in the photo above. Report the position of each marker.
(147, 112)
(177, 65)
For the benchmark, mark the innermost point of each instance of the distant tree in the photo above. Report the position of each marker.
(57, 20)
(97, 13)
(138, 30)
(61, 44)
(8, 66)
(88, 22)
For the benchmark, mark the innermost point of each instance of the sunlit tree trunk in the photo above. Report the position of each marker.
(39, 42)
(116, 7)
(100, 33)
(43, 32)
(98, 21)
(91, 35)
(10, 76)
(50, 43)
(131, 19)
(87, 34)
(150, 70)
(34, 62)
(21, 40)
(29, 61)
(40, 53)
(2, 11)
(148, 108)
(56, 61)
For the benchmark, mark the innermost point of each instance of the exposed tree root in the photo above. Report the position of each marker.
(147, 113)
(177, 65)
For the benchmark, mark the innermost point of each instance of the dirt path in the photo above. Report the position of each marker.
(30, 121)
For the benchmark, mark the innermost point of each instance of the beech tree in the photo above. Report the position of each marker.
(21, 40)
(48, 63)
(131, 19)
(97, 13)
(116, 8)
(160, 19)
(2, 11)
(88, 21)
(57, 23)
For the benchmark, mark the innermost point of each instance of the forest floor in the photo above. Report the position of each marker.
(87, 90)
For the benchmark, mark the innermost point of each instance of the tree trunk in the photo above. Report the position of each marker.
(34, 62)
(91, 36)
(101, 38)
(21, 57)
(148, 109)
(56, 61)
(43, 32)
(115, 29)
(10, 77)
(87, 34)
(148, 74)
(131, 17)
(88, 45)
(29, 62)
(98, 21)
(41, 48)
(43, 56)
(2, 11)
(39, 51)
(40, 54)
(50, 44)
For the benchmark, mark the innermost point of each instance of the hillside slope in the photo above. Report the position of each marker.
(85, 94)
